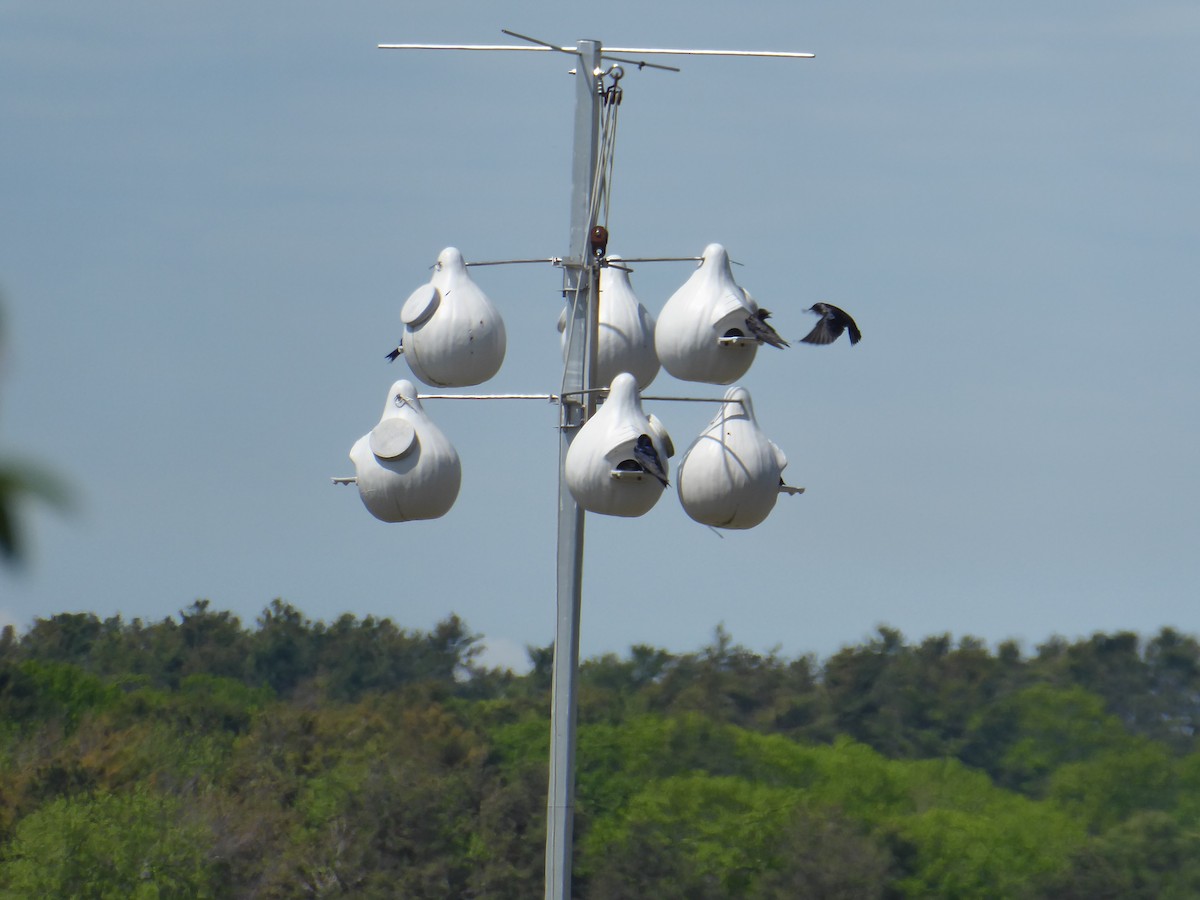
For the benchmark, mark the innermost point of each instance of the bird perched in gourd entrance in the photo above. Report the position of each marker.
(647, 457)
(833, 322)
(759, 328)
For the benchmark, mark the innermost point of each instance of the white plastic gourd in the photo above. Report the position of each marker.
(453, 335)
(405, 467)
(602, 467)
(709, 306)
(730, 476)
(626, 336)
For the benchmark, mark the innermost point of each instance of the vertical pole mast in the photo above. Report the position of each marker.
(580, 287)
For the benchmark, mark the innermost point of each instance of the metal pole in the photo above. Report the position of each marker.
(580, 280)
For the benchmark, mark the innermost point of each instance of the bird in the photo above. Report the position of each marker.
(395, 354)
(833, 322)
(647, 457)
(757, 323)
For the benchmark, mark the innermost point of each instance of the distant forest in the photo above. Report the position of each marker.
(196, 757)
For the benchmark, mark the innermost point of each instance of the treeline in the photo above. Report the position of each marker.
(198, 757)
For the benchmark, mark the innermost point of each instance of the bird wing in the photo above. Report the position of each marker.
(649, 460)
(764, 332)
(826, 331)
(845, 320)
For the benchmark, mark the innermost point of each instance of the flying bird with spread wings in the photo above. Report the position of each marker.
(833, 322)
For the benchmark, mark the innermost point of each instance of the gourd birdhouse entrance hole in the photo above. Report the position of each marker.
(617, 464)
(702, 334)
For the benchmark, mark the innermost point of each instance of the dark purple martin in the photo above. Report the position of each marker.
(395, 354)
(646, 456)
(833, 322)
(757, 323)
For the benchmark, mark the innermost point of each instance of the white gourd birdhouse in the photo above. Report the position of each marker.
(702, 333)
(405, 467)
(617, 463)
(626, 336)
(730, 476)
(453, 335)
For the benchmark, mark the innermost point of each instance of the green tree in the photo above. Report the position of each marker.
(1022, 738)
(991, 849)
(36, 691)
(64, 638)
(137, 845)
(823, 855)
(373, 655)
(1172, 709)
(688, 836)
(915, 701)
(1148, 857)
(284, 648)
(1113, 785)
(726, 682)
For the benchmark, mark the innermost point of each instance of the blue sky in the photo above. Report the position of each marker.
(211, 215)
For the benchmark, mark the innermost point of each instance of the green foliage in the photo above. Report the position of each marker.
(823, 853)
(36, 691)
(990, 851)
(1115, 784)
(688, 836)
(138, 845)
(941, 829)
(295, 758)
(1149, 856)
(914, 701)
(1152, 687)
(1021, 739)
